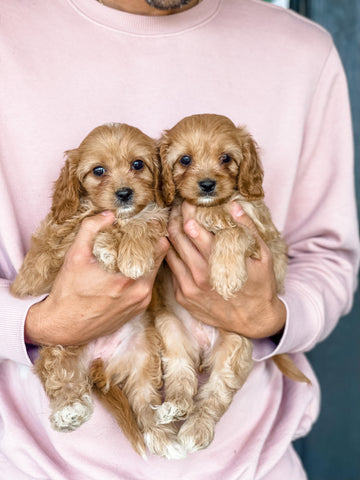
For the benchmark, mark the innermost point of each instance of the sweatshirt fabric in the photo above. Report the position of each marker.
(67, 66)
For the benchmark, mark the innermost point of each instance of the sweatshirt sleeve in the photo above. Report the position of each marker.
(321, 228)
(13, 311)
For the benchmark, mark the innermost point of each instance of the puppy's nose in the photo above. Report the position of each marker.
(124, 194)
(207, 185)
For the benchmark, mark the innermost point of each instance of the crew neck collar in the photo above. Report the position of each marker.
(143, 25)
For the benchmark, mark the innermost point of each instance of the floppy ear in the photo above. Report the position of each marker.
(168, 185)
(251, 172)
(67, 190)
(159, 199)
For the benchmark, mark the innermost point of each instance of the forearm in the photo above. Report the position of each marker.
(13, 313)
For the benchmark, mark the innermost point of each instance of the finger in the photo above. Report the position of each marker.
(200, 237)
(161, 251)
(183, 282)
(177, 266)
(241, 218)
(181, 242)
(163, 246)
(90, 226)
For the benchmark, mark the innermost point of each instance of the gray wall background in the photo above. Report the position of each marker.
(332, 450)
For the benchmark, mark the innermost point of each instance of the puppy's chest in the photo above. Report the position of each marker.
(214, 218)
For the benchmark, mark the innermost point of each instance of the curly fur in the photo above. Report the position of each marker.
(115, 168)
(209, 162)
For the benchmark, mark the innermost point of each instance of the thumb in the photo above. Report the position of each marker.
(89, 228)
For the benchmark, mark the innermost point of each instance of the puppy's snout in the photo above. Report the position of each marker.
(207, 185)
(124, 194)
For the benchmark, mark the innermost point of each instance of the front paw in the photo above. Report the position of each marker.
(227, 279)
(133, 266)
(105, 256)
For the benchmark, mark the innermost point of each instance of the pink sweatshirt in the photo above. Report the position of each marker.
(70, 65)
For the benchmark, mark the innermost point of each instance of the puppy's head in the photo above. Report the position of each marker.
(206, 159)
(115, 168)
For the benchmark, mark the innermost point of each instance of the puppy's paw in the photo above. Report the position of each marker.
(196, 434)
(106, 257)
(172, 411)
(134, 267)
(161, 440)
(227, 279)
(70, 417)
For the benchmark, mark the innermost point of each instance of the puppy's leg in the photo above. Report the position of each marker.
(136, 253)
(180, 361)
(231, 248)
(230, 364)
(105, 250)
(139, 372)
(64, 375)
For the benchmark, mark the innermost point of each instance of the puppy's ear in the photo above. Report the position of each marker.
(159, 199)
(66, 194)
(168, 185)
(251, 172)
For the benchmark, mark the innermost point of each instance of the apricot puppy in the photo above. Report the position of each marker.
(209, 162)
(115, 168)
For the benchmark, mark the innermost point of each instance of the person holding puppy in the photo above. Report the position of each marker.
(70, 65)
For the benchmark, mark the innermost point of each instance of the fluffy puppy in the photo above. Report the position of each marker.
(115, 168)
(209, 162)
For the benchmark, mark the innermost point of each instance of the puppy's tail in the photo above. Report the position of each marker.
(116, 402)
(289, 369)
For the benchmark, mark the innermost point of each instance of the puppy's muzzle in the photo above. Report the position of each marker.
(207, 186)
(124, 195)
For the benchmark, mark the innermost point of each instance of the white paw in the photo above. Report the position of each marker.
(164, 444)
(169, 412)
(135, 270)
(72, 416)
(196, 435)
(108, 259)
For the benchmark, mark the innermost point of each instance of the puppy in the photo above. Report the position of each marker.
(209, 162)
(115, 168)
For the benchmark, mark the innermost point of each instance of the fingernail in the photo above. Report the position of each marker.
(106, 213)
(192, 229)
(236, 210)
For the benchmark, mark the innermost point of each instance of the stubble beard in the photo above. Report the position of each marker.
(167, 4)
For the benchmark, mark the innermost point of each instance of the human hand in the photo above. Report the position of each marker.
(86, 302)
(255, 311)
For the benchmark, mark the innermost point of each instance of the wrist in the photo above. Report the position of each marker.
(265, 321)
(34, 326)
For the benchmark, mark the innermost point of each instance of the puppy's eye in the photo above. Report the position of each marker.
(99, 171)
(185, 160)
(137, 165)
(225, 158)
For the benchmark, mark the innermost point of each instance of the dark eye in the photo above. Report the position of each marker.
(137, 165)
(99, 171)
(225, 158)
(185, 160)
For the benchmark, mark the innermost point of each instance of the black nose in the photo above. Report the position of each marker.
(124, 194)
(207, 185)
